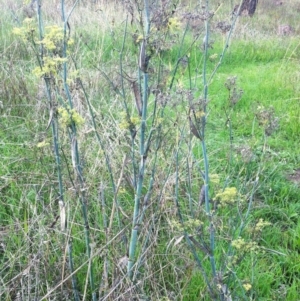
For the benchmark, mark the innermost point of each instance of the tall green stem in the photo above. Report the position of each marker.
(143, 148)
(138, 193)
(75, 151)
(55, 136)
(203, 144)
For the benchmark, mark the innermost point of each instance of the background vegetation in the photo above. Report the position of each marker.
(103, 197)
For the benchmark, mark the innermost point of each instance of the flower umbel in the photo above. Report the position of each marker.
(26, 32)
(42, 144)
(128, 122)
(53, 38)
(260, 225)
(69, 116)
(242, 245)
(174, 24)
(247, 286)
(50, 66)
(228, 196)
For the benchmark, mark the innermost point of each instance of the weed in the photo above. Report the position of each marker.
(149, 152)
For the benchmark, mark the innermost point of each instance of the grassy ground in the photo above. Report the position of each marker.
(252, 136)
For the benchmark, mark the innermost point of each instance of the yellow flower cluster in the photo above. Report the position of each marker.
(193, 223)
(242, 245)
(199, 114)
(50, 66)
(228, 196)
(72, 75)
(53, 37)
(42, 144)
(52, 43)
(214, 178)
(174, 24)
(159, 121)
(69, 116)
(247, 286)
(176, 225)
(27, 31)
(260, 225)
(127, 123)
(190, 224)
(138, 39)
(213, 57)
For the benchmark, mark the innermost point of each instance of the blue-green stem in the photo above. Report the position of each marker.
(189, 188)
(138, 193)
(39, 17)
(103, 284)
(54, 127)
(71, 268)
(203, 145)
(147, 18)
(143, 155)
(75, 151)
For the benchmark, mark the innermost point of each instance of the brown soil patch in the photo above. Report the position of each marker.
(295, 176)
